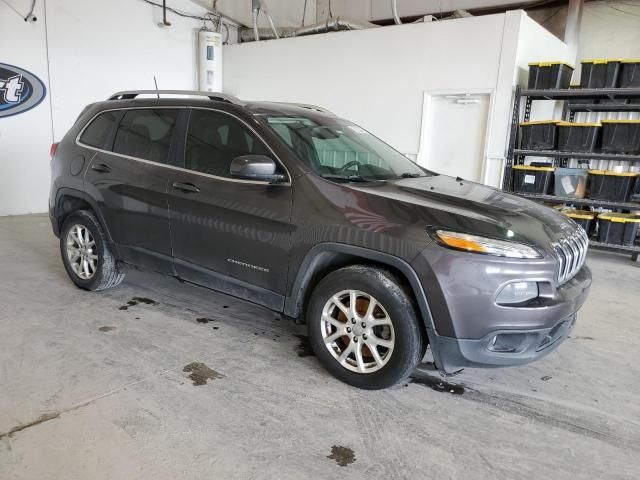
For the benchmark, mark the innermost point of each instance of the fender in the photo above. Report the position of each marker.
(72, 192)
(322, 253)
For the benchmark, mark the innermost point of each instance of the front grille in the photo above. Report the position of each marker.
(571, 253)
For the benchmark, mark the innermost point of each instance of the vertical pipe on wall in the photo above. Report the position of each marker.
(572, 28)
(394, 8)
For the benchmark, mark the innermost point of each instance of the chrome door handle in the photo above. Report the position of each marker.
(101, 167)
(185, 187)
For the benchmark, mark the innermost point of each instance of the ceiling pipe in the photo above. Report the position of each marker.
(394, 8)
(330, 25)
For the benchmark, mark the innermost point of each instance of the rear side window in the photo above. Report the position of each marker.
(146, 133)
(99, 130)
(214, 139)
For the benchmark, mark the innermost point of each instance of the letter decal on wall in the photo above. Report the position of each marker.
(19, 90)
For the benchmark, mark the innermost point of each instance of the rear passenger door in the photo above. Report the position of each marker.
(229, 234)
(128, 179)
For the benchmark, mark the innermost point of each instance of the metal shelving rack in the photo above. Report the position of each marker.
(616, 98)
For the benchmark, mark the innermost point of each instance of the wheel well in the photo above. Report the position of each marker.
(328, 262)
(68, 204)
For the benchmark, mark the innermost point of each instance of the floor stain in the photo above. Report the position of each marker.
(304, 347)
(204, 320)
(200, 373)
(106, 329)
(216, 328)
(135, 301)
(545, 378)
(583, 338)
(41, 419)
(342, 455)
(437, 384)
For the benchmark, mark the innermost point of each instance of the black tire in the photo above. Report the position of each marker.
(409, 346)
(107, 274)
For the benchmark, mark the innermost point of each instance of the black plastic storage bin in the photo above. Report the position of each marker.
(621, 136)
(611, 186)
(635, 194)
(570, 182)
(546, 75)
(583, 218)
(578, 137)
(618, 228)
(529, 179)
(630, 73)
(600, 73)
(540, 135)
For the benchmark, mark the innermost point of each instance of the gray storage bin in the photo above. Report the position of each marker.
(570, 182)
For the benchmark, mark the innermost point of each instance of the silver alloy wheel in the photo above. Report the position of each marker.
(82, 252)
(357, 331)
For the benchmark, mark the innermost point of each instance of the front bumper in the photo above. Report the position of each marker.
(470, 329)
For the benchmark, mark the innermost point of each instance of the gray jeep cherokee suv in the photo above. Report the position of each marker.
(307, 214)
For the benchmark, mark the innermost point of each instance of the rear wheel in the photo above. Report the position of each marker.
(86, 254)
(363, 327)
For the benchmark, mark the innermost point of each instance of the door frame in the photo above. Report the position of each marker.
(426, 123)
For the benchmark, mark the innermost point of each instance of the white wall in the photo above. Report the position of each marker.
(609, 29)
(374, 77)
(377, 77)
(95, 48)
(25, 138)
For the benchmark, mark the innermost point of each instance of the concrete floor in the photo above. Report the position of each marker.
(93, 391)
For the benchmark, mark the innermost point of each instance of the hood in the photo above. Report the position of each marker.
(470, 207)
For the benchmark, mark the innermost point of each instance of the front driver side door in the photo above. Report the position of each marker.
(228, 234)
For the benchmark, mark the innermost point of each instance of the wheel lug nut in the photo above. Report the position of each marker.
(355, 339)
(348, 329)
(353, 320)
(364, 325)
(364, 337)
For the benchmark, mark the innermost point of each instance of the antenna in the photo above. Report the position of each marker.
(156, 82)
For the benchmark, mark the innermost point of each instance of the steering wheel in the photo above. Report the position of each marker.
(348, 165)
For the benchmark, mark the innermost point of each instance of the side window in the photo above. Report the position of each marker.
(146, 133)
(99, 130)
(214, 139)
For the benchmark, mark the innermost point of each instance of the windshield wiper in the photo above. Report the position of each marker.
(409, 175)
(347, 178)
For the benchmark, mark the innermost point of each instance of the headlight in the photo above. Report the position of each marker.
(488, 246)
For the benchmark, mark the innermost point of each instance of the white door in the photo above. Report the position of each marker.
(454, 132)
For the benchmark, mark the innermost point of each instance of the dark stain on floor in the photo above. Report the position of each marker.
(204, 320)
(304, 347)
(200, 373)
(216, 328)
(342, 455)
(545, 378)
(106, 329)
(583, 338)
(438, 384)
(41, 419)
(135, 301)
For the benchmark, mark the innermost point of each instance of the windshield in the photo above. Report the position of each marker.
(340, 150)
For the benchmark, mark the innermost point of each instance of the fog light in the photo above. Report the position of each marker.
(517, 292)
(506, 342)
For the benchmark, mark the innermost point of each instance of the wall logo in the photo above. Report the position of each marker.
(19, 90)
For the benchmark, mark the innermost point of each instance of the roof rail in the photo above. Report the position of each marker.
(217, 96)
(308, 107)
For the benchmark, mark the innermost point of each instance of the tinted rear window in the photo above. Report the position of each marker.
(146, 133)
(99, 130)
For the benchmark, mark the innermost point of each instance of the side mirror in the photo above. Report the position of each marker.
(255, 167)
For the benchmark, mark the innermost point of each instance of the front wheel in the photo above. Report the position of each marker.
(363, 327)
(86, 254)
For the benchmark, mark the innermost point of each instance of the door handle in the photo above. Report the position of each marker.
(185, 187)
(101, 167)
